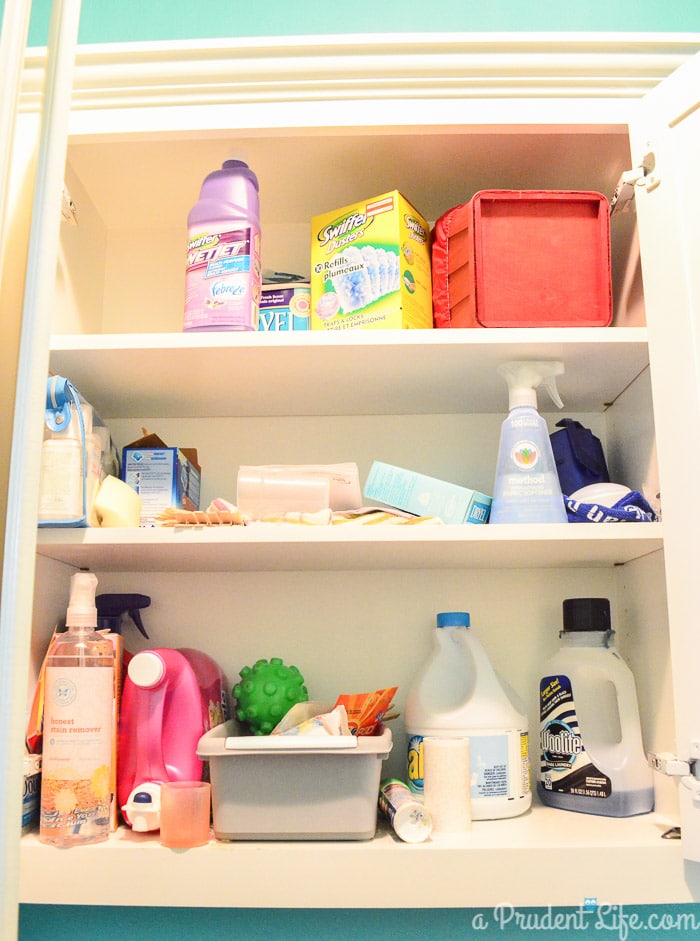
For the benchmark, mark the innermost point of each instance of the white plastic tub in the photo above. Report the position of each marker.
(262, 791)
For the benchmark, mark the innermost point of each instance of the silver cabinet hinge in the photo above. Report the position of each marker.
(642, 176)
(69, 213)
(668, 764)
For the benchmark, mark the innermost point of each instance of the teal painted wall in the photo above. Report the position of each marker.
(614, 922)
(136, 20)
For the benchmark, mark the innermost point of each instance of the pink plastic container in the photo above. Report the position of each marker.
(170, 698)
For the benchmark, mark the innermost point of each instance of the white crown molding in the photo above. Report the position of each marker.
(339, 68)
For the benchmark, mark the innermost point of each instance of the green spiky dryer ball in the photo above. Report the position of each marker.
(266, 693)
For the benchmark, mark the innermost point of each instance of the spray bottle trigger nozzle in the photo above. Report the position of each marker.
(550, 384)
(136, 618)
(111, 607)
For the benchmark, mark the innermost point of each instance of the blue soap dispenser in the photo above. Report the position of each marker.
(526, 488)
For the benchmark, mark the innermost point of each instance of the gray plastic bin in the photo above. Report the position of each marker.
(261, 793)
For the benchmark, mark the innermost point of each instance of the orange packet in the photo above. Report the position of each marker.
(366, 710)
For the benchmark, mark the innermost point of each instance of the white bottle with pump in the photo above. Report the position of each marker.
(592, 758)
(78, 726)
(526, 488)
(458, 694)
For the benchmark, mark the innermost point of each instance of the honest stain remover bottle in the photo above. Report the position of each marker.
(591, 755)
(76, 783)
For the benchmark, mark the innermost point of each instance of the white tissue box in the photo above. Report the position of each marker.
(293, 794)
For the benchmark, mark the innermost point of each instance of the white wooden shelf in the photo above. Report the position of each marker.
(288, 547)
(361, 373)
(637, 866)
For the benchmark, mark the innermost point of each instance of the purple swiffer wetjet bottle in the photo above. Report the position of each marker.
(222, 283)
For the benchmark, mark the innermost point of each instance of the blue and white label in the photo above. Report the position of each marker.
(564, 765)
(489, 766)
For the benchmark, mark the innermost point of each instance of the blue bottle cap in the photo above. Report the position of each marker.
(453, 619)
(143, 797)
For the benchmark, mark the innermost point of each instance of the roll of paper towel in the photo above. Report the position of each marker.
(115, 504)
(446, 778)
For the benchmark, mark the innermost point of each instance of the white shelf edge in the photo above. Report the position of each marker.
(280, 547)
(368, 373)
(638, 866)
(359, 338)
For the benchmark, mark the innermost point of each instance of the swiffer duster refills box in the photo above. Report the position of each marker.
(370, 267)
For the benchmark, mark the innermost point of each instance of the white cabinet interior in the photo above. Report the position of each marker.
(355, 612)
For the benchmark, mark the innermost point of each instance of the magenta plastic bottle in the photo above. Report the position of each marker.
(223, 277)
(170, 699)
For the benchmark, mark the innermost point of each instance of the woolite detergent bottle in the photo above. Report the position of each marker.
(592, 758)
(223, 278)
(458, 694)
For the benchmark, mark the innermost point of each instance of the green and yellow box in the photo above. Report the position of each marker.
(370, 267)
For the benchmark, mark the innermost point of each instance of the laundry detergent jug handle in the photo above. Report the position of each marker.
(147, 672)
(472, 647)
(150, 765)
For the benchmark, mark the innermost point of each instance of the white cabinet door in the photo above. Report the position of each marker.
(665, 135)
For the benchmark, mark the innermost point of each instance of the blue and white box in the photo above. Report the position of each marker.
(285, 307)
(162, 477)
(425, 496)
(31, 792)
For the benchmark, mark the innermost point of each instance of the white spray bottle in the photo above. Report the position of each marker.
(526, 488)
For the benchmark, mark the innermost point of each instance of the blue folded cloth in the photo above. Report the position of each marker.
(632, 508)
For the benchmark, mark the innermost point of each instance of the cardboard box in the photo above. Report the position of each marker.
(523, 258)
(426, 496)
(162, 476)
(370, 267)
(285, 307)
(298, 792)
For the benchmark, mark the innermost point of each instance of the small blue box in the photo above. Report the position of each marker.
(162, 477)
(426, 496)
(285, 307)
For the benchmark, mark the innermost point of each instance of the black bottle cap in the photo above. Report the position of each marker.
(586, 614)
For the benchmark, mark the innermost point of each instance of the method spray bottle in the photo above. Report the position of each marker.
(526, 488)
(76, 789)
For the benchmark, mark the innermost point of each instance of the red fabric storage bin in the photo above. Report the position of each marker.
(523, 258)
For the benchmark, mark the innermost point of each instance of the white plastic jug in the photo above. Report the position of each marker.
(457, 694)
(592, 758)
